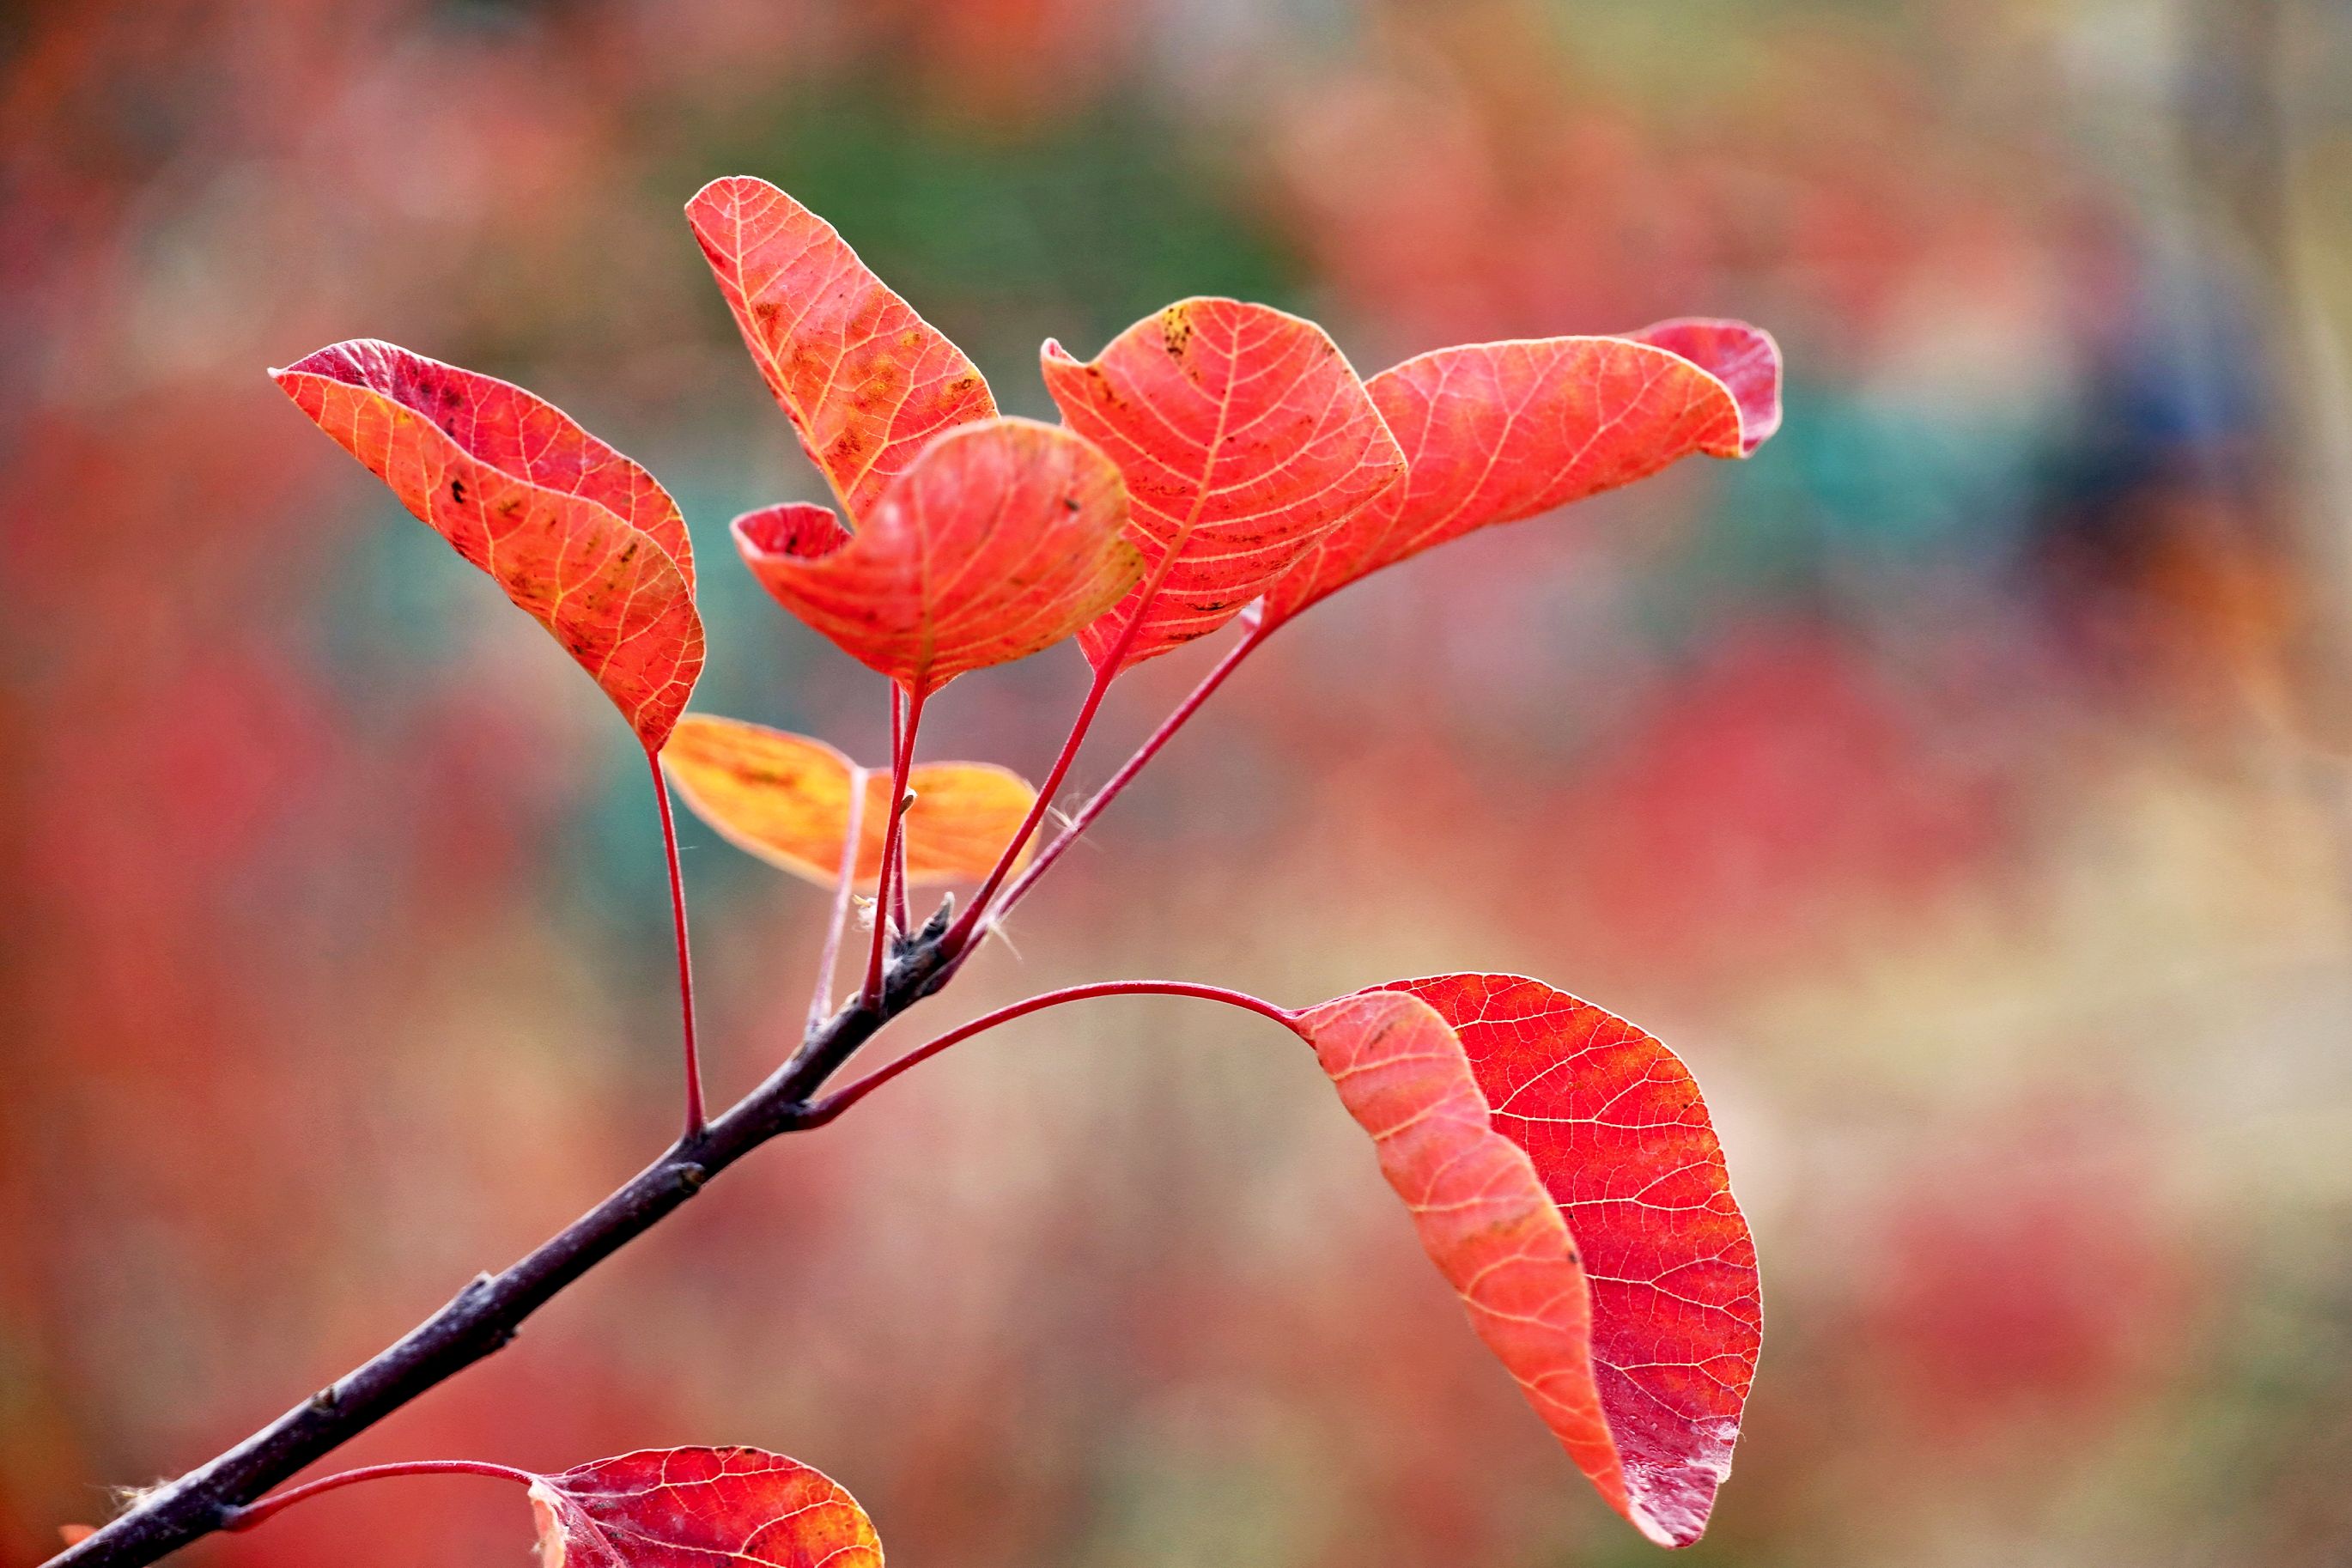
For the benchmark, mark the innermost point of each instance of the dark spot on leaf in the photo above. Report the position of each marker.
(458, 492)
(1071, 502)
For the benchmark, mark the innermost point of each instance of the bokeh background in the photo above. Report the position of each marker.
(1961, 785)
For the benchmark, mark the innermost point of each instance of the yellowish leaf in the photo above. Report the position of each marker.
(785, 798)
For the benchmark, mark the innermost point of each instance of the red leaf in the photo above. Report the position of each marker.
(1563, 1176)
(1002, 538)
(577, 534)
(865, 380)
(699, 1508)
(1244, 437)
(1496, 432)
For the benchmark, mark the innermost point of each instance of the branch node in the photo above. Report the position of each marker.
(690, 1177)
(325, 1400)
(903, 945)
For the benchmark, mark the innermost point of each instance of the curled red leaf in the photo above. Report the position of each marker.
(578, 535)
(1496, 432)
(1244, 437)
(1742, 357)
(1002, 538)
(699, 1508)
(865, 380)
(1563, 1174)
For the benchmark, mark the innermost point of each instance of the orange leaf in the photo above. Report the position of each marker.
(1563, 1176)
(577, 534)
(865, 380)
(1002, 538)
(699, 1508)
(1496, 432)
(1244, 437)
(785, 798)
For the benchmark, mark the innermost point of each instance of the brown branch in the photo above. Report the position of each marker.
(485, 1313)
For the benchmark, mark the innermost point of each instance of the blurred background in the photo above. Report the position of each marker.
(1961, 785)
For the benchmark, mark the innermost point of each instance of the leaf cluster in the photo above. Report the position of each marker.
(1217, 461)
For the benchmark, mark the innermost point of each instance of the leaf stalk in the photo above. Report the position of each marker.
(252, 1514)
(694, 1108)
(888, 894)
(1176, 721)
(832, 1105)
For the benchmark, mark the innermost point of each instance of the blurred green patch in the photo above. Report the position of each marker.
(1071, 228)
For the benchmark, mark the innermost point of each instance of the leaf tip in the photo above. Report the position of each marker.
(726, 186)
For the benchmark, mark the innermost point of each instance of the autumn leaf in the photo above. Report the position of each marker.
(699, 1508)
(1496, 432)
(1563, 1176)
(1244, 437)
(786, 798)
(1000, 539)
(865, 380)
(577, 534)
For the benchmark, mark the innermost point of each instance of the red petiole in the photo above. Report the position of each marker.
(694, 1112)
(833, 1104)
(1176, 721)
(885, 891)
(254, 1514)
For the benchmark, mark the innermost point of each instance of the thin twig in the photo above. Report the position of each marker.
(485, 1314)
